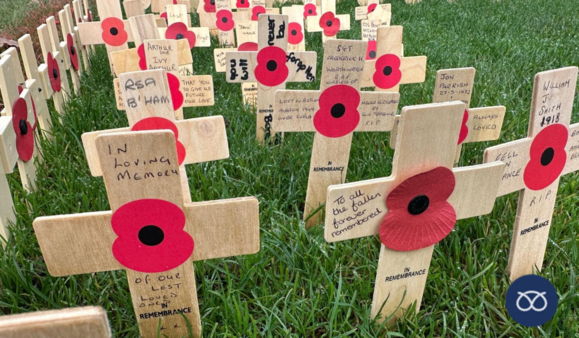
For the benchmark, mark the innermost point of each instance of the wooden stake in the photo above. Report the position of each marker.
(70, 51)
(55, 69)
(78, 19)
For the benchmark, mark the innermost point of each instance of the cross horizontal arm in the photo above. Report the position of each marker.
(572, 150)
(301, 66)
(485, 124)
(413, 69)
(515, 155)
(313, 23)
(91, 32)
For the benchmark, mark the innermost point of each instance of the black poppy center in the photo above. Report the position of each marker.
(294, 32)
(72, 51)
(310, 11)
(212, 2)
(418, 205)
(372, 54)
(547, 156)
(179, 36)
(387, 70)
(151, 235)
(242, 2)
(271, 65)
(23, 127)
(338, 110)
(329, 23)
(55, 73)
(114, 31)
(224, 20)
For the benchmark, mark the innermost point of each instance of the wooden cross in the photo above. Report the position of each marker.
(78, 18)
(374, 11)
(271, 66)
(391, 69)
(177, 16)
(327, 21)
(296, 34)
(71, 48)
(221, 19)
(343, 109)
(535, 164)
(82, 322)
(415, 207)
(159, 6)
(147, 99)
(149, 232)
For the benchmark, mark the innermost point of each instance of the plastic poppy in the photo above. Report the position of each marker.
(53, 72)
(371, 50)
(271, 69)
(295, 33)
(338, 114)
(178, 31)
(24, 131)
(371, 8)
(256, 11)
(114, 33)
(247, 47)
(142, 57)
(209, 6)
(387, 74)
(547, 157)
(72, 51)
(242, 4)
(330, 24)
(418, 212)
(151, 236)
(174, 87)
(225, 20)
(464, 128)
(160, 123)
(310, 10)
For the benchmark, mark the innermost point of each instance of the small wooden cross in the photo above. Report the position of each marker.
(82, 322)
(176, 18)
(535, 164)
(159, 6)
(78, 18)
(296, 35)
(327, 21)
(374, 11)
(334, 112)
(391, 69)
(271, 66)
(149, 232)
(71, 48)
(147, 98)
(415, 207)
(218, 17)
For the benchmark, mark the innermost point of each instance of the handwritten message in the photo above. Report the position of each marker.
(197, 90)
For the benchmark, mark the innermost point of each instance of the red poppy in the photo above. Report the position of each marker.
(176, 95)
(256, 11)
(371, 8)
(310, 10)
(89, 16)
(338, 114)
(150, 236)
(114, 31)
(464, 128)
(371, 50)
(225, 20)
(242, 4)
(53, 72)
(160, 123)
(72, 51)
(24, 131)
(178, 31)
(247, 47)
(142, 57)
(547, 157)
(418, 214)
(296, 34)
(164, 16)
(387, 74)
(330, 24)
(271, 69)
(209, 6)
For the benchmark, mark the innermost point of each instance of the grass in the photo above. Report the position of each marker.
(298, 285)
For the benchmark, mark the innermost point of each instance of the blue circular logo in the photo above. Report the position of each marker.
(532, 300)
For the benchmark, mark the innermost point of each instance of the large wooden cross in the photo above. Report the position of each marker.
(147, 98)
(82, 322)
(149, 232)
(534, 165)
(326, 21)
(414, 208)
(271, 66)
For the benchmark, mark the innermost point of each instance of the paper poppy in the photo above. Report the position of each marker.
(225, 21)
(247, 47)
(24, 131)
(242, 4)
(295, 33)
(418, 212)
(114, 33)
(178, 31)
(72, 51)
(256, 11)
(271, 69)
(387, 74)
(174, 87)
(371, 50)
(142, 57)
(330, 24)
(464, 128)
(151, 236)
(338, 114)
(371, 8)
(160, 123)
(209, 6)
(53, 72)
(310, 10)
(547, 157)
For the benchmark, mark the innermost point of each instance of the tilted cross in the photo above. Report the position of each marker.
(414, 208)
(71, 48)
(327, 21)
(82, 322)
(149, 232)
(535, 164)
(147, 98)
(334, 112)
(271, 66)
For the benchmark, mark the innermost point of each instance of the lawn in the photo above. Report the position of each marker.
(298, 285)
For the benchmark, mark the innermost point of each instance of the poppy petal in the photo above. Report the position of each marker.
(160, 123)
(338, 113)
(271, 69)
(464, 128)
(174, 87)
(547, 157)
(387, 74)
